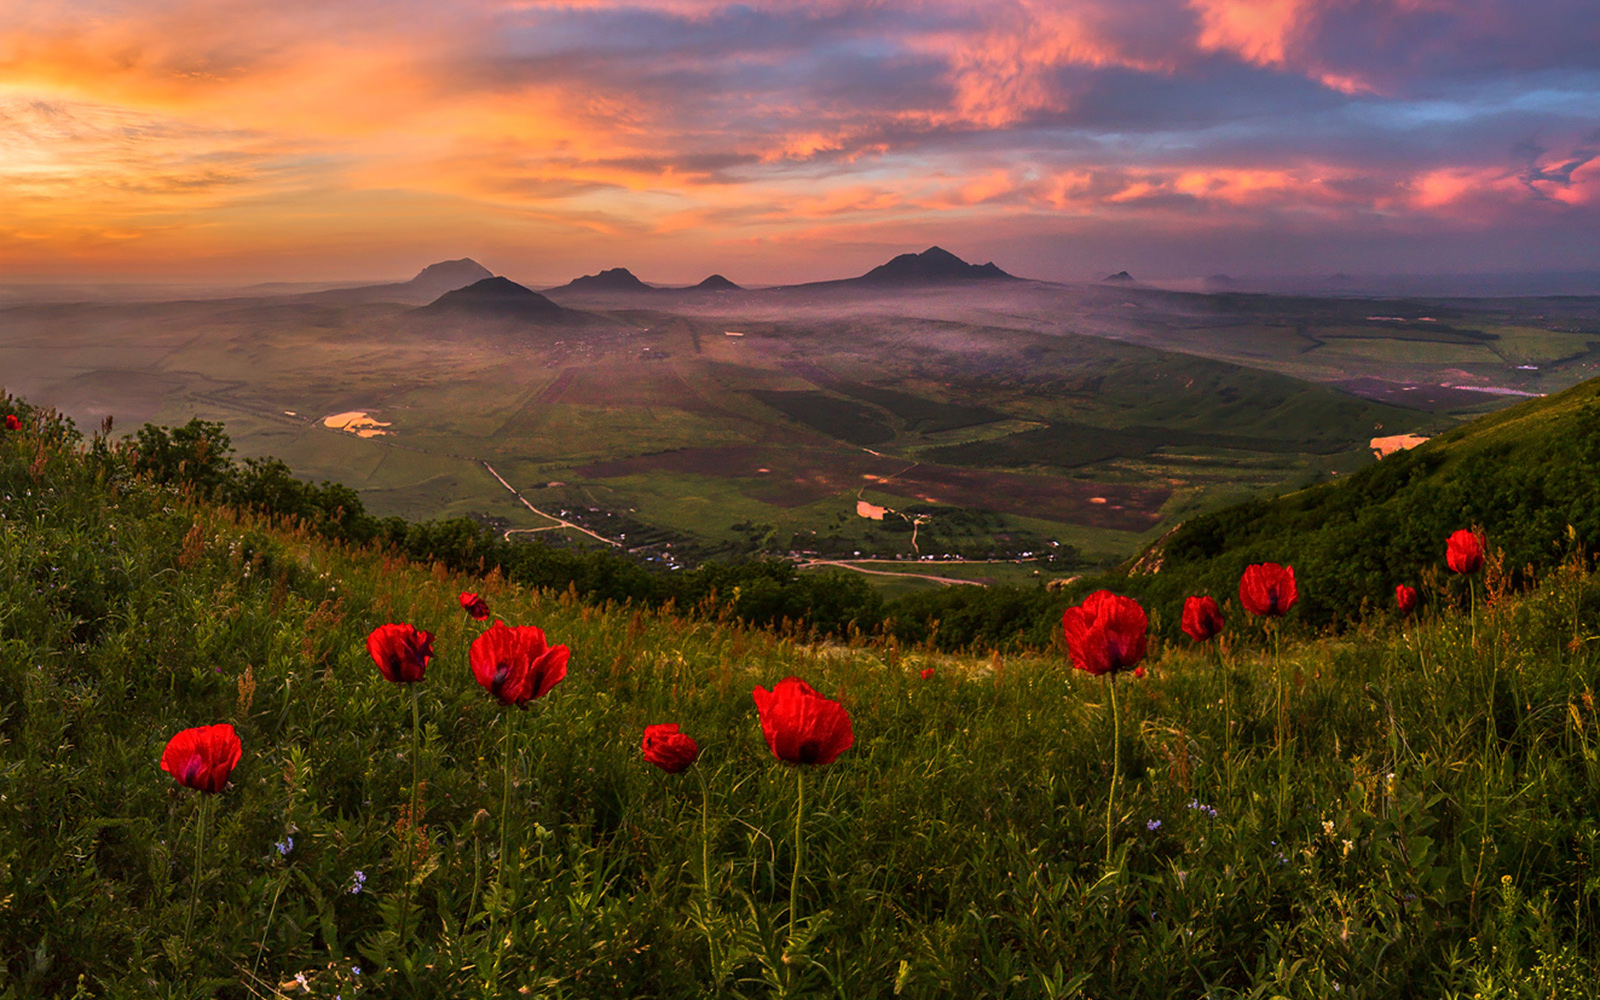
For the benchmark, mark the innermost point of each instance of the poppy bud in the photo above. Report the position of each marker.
(401, 652)
(1268, 589)
(669, 749)
(1106, 633)
(475, 606)
(516, 665)
(1405, 598)
(1463, 551)
(800, 725)
(1202, 619)
(203, 757)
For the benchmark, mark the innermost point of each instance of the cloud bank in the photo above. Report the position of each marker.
(797, 139)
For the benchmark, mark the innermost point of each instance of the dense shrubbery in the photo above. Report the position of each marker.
(1436, 835)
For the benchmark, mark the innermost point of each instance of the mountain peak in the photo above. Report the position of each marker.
(1119, 276)
(616, 279)
(448, 275)
(496, 298)
(717, 283)
(934, 265)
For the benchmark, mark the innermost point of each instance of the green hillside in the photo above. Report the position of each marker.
(1529, 476)
(1404, 810)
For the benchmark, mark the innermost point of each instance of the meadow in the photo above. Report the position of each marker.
(1423, 822)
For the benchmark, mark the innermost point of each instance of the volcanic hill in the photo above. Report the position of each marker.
(497, 298)
(932, 266)
(616, 279)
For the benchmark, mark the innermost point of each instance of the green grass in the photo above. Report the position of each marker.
(1429, 829)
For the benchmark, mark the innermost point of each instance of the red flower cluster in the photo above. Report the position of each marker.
(800, 725)
(1405, 598)
(401, 652)
(1463, 551)
(12, 423)
(475, 606)
(669, 749)
(1202, 619)
(927, 673)
(1268, 589)
(516, 665)
(203, 757)
(1106, 633)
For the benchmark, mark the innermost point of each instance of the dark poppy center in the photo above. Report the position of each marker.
(810, 752)
(193, 771)
(501, 672)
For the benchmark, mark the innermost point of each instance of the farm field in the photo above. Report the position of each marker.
(1091, 417)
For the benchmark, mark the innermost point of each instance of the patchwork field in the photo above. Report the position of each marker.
(1093, 418)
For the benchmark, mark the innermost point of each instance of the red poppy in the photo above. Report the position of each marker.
(203, 757)
(516, 665)
(1405, 598)
(927, 673)
(12, 423)
(475, 606)
(401, 652)
(1138, 673)
(1106, 633)
(1268, 589)
(801, 726)
(669, 749)
(1463, 552)
(1202, 619)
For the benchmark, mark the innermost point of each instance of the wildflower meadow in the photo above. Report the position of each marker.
(242, 760)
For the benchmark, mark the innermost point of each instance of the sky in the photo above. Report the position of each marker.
(789, 140)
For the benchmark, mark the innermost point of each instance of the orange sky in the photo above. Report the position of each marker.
(787, 140)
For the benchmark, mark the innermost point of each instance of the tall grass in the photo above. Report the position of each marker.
(955, 850)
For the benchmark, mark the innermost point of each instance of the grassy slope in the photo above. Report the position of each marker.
(1524, 474)
(955, 850)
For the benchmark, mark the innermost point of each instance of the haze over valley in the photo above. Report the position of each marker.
(927, 408)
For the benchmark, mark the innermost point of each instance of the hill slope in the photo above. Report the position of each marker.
(1524, 474)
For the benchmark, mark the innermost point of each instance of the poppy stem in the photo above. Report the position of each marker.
(1116, 763)
(705, 834)
(799, 847)
(1283, 719)
(505, 813)
(199, 859)
(411, 819)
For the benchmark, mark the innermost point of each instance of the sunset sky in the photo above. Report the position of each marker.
(795, 139)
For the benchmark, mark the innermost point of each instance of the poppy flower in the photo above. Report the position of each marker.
(401, 652)
(203, 757)
(12, 423)
(1463, 552)
(927, 673)
(1268, 589)
(801, 726)
(1138, 673)
(669, 749)
(1405, 598)
(475, 606)
(516, 665)
(1106, 633)
(1202, 619)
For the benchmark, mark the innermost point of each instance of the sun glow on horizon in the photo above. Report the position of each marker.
(280, 140)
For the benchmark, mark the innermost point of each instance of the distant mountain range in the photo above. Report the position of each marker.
(431, 282)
